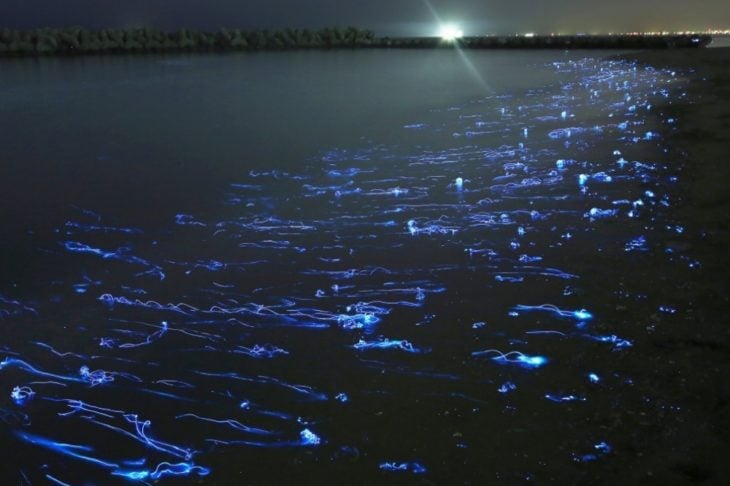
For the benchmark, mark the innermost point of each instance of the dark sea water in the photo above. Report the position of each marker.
(340, 268)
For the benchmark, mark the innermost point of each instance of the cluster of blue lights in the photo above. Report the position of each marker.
(599, 449)
(410, 467)
(401, 345)
(21, 394)
(580, 314)
(263, 323)
(513, 357)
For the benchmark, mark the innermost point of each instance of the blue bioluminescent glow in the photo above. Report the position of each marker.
(55, 480)
(12, 307)
(120, 254)
(366, 300)
(163, 469)
(358, 321)
(637, 244)
(564, 398)
(91, 228)
(234, 424)
(14, 362)
(580, 314)
(507, 387)
(513, 357)
(411, 467)
(596, 213)
(149, 338)
(600, 449)
(603, 447)
(72, 450)
(309, 438)
(304, 390)
(261, 351)
(402, 345)
(97, 377)
(618, 343)
(21, 394)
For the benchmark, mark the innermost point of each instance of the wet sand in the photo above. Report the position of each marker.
(703, 128)
(693, 356)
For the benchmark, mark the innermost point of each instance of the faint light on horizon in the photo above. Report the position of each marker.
(450, 32)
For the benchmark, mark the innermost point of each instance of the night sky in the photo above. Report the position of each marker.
(386, 17)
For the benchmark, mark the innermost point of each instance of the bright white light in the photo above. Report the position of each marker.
(450, 32)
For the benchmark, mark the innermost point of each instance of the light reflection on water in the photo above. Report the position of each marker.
(462, 298)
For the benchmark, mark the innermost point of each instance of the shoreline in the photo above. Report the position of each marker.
(76, 41)
(695, 349)
(701, 137)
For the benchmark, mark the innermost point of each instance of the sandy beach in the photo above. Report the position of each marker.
(702, 141)
(695, 355)
(704, 125)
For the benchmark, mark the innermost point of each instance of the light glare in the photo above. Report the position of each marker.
(450, 32)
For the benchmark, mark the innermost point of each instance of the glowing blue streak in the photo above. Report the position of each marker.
(637, 244)
(564, 398)
(514, 357)
(235, 424)
(164, 469)
(412, 467)
(618, 343)
(358, 321)
(175, 383)
(103, 229)
(97, 377)
(79, 406)
(149, 339)
(76, 247)
(600, 448)
(261, 351)
(15, 303)
(187, 220)
(65, 449)
(402, 345)
(580, 314)
(29, 368)
(58, 353)
(267, 380)
(140, 427)
(307, 438)
(55, 481)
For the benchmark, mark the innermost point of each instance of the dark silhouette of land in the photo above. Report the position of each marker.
(76, 41)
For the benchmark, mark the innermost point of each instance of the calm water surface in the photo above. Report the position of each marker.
(345, 267)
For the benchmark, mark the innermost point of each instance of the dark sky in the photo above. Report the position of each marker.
(386, 17)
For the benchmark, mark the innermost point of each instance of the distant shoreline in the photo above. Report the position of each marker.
(78, 41)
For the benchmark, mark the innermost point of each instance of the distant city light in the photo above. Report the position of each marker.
(450, 32)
